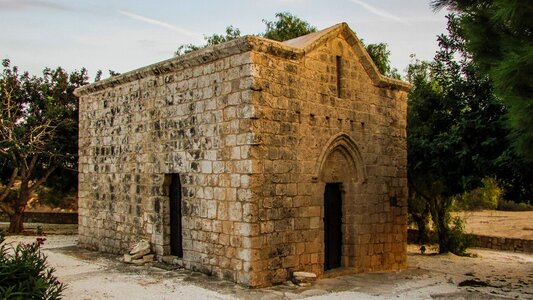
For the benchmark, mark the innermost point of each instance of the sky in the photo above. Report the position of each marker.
(122, 35)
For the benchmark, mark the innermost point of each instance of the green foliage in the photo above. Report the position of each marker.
(38, 134)
(499, 35)
(25, 274)
(286, 27)
(458, 240)
(454, 130)
(485, 197)
(455, 136)
(513, 206)
(231, 34)
(380, 55)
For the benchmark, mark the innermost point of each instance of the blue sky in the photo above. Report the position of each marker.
(124, 35)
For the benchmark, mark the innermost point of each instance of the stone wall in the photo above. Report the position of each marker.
(502, 243)
(191, 120)
(312, 133)
(45, 217)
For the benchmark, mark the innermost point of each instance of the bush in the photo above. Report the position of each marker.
(513, 206)
(24, 273)
(459, 241)
(485, 197)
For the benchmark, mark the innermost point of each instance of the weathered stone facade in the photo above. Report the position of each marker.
(255, 129)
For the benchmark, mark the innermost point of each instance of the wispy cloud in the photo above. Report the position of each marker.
(380, 12)
(160, 23)
(21, 5)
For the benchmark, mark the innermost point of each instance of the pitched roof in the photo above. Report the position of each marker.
(310, 41)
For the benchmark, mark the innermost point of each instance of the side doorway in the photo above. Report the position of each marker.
(175, 201)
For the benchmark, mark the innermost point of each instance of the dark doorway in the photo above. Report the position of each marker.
(332, 226)
(176, 246)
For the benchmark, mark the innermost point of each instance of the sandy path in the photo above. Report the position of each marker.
(91, 275)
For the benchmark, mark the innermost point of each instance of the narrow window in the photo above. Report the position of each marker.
(339, 76)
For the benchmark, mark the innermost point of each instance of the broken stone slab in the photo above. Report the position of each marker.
(148, 258)
(140, 254)
(127, 258)
(303, 278)
(140, 249)
(139, 261)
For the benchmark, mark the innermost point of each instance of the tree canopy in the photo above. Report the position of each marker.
(286, 27)
(499, 35)
(456, 136)
(381, 57)
(38, 130)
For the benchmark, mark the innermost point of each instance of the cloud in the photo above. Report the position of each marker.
(161, 24)
(22, 5)
(379, 12)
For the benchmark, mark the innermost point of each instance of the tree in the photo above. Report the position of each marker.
(231, 34)
(380, 55)
(499, 35)
(38, 130)
(455, 136)
(286, 27)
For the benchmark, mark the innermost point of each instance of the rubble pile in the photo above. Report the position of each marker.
(139, 254)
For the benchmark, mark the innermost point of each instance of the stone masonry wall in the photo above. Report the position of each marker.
(298, 115)
(255, 129)
(194, 121)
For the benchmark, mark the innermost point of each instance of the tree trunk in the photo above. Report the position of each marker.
(423, 228)
(15, 223)
(444, 238)
(439, 207)
(15, 219)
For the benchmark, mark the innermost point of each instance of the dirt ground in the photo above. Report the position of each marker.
(511, 224)
(489, 275)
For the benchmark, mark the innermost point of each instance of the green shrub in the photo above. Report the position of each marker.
(513, 206)
(24, 273)
(459, 241)
(485, 197)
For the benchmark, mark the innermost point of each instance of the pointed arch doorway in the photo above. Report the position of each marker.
(340, 168)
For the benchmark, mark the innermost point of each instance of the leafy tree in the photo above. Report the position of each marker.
(380, 55)
(231, 34)
(286, 27)
(38, 134)
(455, 136)
(499, 35)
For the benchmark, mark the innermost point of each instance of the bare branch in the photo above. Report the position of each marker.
(7, 209)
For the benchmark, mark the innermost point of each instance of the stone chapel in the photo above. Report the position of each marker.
(250, 159)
